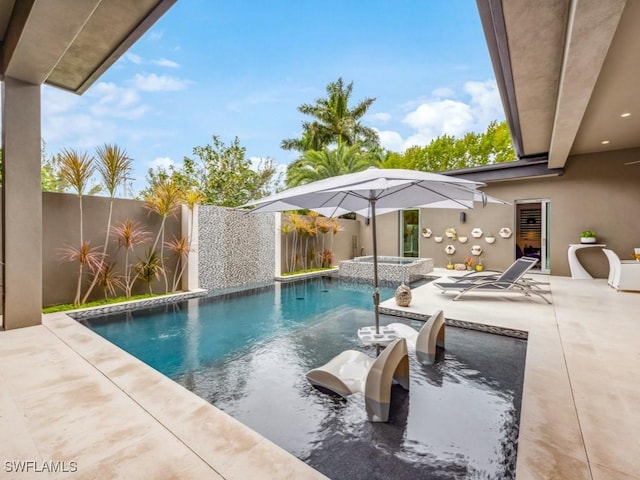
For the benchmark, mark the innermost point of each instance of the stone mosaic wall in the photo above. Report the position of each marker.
(388, 273)
(235, 248)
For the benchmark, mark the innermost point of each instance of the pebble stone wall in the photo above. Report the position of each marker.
(235, 248)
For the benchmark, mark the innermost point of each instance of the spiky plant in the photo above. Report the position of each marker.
(180, 247)
(323, 226)
(149, 267)
(163, 200)
(109, 279)
(76, 169)
(286, 230)
(114, 167)
(86, 257)
(129, 234)
(191, 198)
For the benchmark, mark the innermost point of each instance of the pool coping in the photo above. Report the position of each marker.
(303, 276)
(134, 304)
(228, 447)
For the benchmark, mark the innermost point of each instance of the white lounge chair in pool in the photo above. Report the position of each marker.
(510, 281)
(425, 341)
(352, 371)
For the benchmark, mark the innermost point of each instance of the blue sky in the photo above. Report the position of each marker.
(242, 68)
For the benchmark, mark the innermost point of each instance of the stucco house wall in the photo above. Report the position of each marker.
(597, 191)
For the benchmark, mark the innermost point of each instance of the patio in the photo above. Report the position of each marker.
(579, 416)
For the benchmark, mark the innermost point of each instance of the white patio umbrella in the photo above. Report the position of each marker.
(371, 189)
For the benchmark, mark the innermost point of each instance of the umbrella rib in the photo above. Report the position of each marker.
(417, 184)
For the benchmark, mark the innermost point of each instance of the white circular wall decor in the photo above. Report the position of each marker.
(426, 232)
(437, 239)
(462, 239)
(450, 249)
(490, 239)
(476, 250)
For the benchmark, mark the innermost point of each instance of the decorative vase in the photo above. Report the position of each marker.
(403, 295)
(587, 239)
(449, 266)
(462, 239)
(479, 268)
(437, 239)
(490, 239)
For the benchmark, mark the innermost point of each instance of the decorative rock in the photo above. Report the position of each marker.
(403, 295)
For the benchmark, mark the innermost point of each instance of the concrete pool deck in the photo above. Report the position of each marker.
(68, 395)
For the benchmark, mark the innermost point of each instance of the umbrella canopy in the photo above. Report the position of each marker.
(371, 189)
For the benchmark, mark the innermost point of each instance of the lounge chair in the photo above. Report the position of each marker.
(425, 341)
(510, 281)
(623, 274)
(352, 371)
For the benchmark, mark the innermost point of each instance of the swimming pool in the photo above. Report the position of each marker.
(247, 354)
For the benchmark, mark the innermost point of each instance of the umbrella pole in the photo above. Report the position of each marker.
(376, 291)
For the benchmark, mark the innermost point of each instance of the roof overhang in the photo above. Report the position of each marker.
(70, 43)
(526, 168)
(566, 70)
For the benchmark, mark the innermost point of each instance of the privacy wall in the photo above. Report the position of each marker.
(61, 228)
(236, 249)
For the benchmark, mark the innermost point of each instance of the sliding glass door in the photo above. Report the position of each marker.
(409, 230)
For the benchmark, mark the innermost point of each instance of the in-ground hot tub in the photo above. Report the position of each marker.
(391, 270)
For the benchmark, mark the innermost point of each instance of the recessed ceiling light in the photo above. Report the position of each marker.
(626, 114)
(604, 142)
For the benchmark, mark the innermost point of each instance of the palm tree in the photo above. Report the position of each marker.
(334, 122)
(316, 165)
(114, 167)
(76, 169)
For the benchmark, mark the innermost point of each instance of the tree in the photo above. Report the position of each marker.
(449, 153)
(316, 165)
(334, 122)
(222, 173)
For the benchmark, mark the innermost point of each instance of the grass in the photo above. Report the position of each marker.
(308, 270)
(98, 303)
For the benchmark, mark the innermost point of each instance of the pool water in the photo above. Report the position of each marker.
(247, 354)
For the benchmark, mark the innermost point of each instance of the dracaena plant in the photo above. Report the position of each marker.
(114, 168)
(164, 199)
(129, 234)
(76, 168)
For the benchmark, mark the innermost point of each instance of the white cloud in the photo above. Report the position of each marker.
(485, 100)
(443, 92)
(391, 140)
(441, 117)
(163, 62)
(380, 118)
(155, 36)
(133, 58)
(161, 162)
(159, 83)
(116, 101)
(441, 114)
(56, 101)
